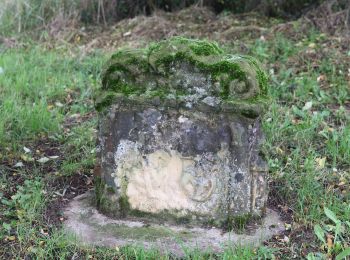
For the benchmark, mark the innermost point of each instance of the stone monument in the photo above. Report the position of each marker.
(179, 134)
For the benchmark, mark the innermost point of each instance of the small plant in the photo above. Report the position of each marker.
(24, 207)
(334, 237)
(29, 200)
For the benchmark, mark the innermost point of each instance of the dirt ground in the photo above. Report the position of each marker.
(196, 22)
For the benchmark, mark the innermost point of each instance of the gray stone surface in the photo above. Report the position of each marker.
(179, 135)
(94, 229)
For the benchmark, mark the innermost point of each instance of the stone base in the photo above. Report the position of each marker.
(94, 229)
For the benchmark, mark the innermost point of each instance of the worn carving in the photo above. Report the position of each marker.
(179, 133)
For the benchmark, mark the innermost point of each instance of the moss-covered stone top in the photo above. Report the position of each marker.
(187, 71)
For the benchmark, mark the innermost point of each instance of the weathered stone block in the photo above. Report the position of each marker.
(179, 134)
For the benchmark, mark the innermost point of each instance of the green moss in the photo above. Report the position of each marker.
(251, 107)
(123, 68)
(261, 75)
(99, 186)
(198, 47)
(146, 233)
(164, 216)
(124, 206)
(145, 72)
(239, 223)
(103, 100)
(101, 200)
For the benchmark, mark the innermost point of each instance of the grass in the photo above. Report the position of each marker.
(37, 85)
(308, 137)
(26, 15)
(46, 107)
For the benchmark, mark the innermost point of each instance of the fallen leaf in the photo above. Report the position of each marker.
(77, 39)
(312, 45)
(43, 160)
(308, 105)
(26, 150)
(286, 239)
(296, 121)
(88, 181)
(287, 226)
(11, 238)
(329, 242)
(321, 78)
(26, 158)
(43, 232)
(58, 104)
(127, 34)
(77, 115)
(320, 162)
(279, 150)
(18, 165)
